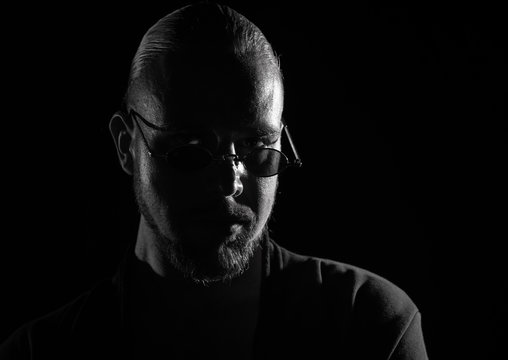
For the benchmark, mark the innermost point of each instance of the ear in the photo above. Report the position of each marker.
(121, 129)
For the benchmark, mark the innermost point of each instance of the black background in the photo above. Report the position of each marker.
(396, 110)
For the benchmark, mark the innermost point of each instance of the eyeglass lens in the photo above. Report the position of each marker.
(260, 162)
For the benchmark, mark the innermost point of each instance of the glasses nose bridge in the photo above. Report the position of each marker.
(227, 152)
(225, 157)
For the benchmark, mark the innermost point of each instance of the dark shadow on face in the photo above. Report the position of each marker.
(209, 221)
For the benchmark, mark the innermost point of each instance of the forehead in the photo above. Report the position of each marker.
(228, 94)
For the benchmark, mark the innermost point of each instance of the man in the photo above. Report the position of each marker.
(201, 134)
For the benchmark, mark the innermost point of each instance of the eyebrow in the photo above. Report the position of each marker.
(254, 131)
(169, 130)
(263, 130)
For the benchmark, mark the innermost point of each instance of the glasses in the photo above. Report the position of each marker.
(261, 162)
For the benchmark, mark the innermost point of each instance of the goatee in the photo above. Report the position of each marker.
(218, 263)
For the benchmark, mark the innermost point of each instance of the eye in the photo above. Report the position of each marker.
(188, 139)
(254, 142)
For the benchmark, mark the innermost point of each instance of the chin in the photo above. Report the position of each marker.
(222, 259)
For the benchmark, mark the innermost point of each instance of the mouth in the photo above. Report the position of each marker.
(221, 221)
(216, 231)
(222, 213)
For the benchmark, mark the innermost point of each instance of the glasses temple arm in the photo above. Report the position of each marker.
(297, 162)
(133, 116)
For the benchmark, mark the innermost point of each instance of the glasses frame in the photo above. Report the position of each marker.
(296, 162)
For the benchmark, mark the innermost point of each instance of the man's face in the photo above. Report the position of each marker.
(208, 222)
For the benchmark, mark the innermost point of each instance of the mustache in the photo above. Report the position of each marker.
(223, 209)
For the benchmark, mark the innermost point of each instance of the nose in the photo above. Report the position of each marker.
(230, 169)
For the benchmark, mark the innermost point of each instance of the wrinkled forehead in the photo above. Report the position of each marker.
(229, 94)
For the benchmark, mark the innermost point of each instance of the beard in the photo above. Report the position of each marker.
(220, 261)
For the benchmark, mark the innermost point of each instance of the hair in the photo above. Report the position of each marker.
(198, 29)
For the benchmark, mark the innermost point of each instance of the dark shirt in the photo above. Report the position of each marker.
(308, 308)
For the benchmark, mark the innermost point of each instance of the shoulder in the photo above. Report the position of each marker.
(45, 334)
(370, 294)
(362, 287)
(357, 306)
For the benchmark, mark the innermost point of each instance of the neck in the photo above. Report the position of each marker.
(163, 305)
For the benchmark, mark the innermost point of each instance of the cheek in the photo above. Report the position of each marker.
(170, 192)
(263, 194)
(150, 176)
(155, 183)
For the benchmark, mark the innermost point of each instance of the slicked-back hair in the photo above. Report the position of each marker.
(204, 29)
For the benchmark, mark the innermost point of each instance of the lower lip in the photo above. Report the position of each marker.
(235, 227)
(209, 223)
(230, 226)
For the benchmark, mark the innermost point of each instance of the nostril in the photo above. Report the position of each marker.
(229, 174)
